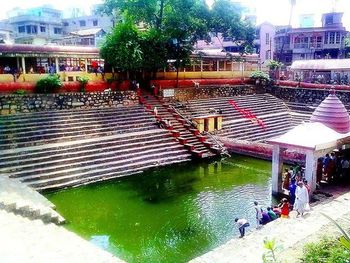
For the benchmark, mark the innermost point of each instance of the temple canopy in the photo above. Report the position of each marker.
(329, 128)
(310, 136)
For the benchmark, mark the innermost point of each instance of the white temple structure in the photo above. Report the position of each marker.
(329, 129)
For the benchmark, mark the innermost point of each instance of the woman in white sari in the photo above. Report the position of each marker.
(301, 198)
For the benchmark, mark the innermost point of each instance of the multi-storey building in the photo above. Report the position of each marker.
(327, 41)
(264, 42)
(46, 25)
(39, 25)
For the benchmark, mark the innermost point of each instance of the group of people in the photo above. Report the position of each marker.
(333, 167)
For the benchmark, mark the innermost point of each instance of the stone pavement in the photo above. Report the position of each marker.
(31, 241)
(287, 232)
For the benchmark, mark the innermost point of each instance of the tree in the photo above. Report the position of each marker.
(122, 48)
(169, 30)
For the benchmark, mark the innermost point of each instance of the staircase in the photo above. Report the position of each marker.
(187, 136)
(60, 149)
(272, 111)
(18, 198)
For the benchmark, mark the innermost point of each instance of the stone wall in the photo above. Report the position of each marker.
(307, 96)
(12, 103)
(183, 94)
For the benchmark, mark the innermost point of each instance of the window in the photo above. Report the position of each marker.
(30, 29)
(329, 20)
(267, 35)
(82, 23)
(21, 29)
(57, 30)
(42, 29)
(331, 37)
(65, 24)
(95, 23)
(267, 55)
(337, 38)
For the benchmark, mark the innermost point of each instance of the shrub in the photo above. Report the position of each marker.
(326, 251)
(260, 76)
(20, 92)
(83, 81)
(48, 84)
(274, 65)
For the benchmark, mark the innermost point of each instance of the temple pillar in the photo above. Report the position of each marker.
(56, 64)
(311, 169)
(86, 65)
(277, 166)
(211, 124)
(24, 65)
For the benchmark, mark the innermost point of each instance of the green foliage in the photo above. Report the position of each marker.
(20, 92)
(326, 251)
(261, 76)
(274, 65)
(48, 84)
(122, 48)
(345, 239)
(270, 255)
(83, 80)
(170, 28)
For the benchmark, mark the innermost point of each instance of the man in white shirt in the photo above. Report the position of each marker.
(242, 224)
(258, 214)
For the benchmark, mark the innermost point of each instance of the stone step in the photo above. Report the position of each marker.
(16, 203)
(104, 173)
(59, 154)
(73, 113)
(117, 162)
(84, 159)
(87, 144)
(8, 144)
(94, 122)
(71, 130)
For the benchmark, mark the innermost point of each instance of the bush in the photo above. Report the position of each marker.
(274, 65)
(83, 81)
(20, 92)
(260, 76)
(48, 84)
(326, 251)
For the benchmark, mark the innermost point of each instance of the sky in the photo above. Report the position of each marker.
(273, 11)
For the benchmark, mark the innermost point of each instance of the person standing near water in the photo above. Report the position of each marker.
(301, 199)
(258, 214)
(242, 224)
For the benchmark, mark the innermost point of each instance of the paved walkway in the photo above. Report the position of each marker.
(31, 241)
(287, 232)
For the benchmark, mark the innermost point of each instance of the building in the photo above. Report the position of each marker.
(264, 43)
(41, 25)
(46, 25)
(86, 37)
(327, 41)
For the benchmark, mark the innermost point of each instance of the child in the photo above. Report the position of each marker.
(284, 208)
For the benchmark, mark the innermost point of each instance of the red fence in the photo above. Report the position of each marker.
(29, 87)
(305, 85)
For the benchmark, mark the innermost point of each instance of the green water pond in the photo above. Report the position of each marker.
(171, 214)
